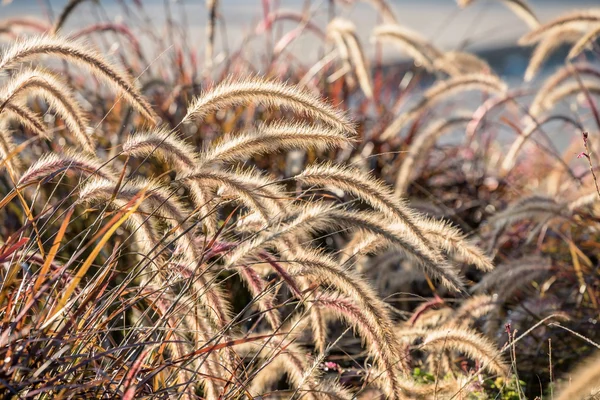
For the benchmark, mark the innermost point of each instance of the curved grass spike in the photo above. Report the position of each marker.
(248, 194)
(208, 292)
(511, 273)
(166, 207)
(565, 90)
(179, 320)
(519, 7)
(561, 75)
(8, 152)
(390, 381)
(271, 94)
(546, 47)
(341, 48)
(117, 28)
(76, 52)
(361, 66)
(35, 24)
(410, 42)
(453, 242)
(164, 144)
(28, 119)
(53, 163)
(460, 62)
(567, 21)
(441, 91)
(323, 269)
(274, 137)
(470, 310)
(265, 299)
(470, 343)
(319, 217)
(420, 146)
(364, 186)
(533, 207)
(58, 96)
(180, 156)
(441, 234)
(584, 42)
(344, 33)
(554, 97)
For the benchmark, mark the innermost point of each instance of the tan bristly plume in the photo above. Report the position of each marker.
(404, 229)
(345, 308)
(563, 91)
(472, 309)
(582, 201)
(268, 93)
(553, 83)
(519, 7)
(410, 42)
(588, 39)
(265, 298)
(512, 274)
(235, 183)
(344, 34)
(28, 119)
(39, 82)
(470, 343)
(440, 234)
(341, 47)
(585, 382)
(419, 148)
(179, 155)
(453, 242)
(272, 194)
(433, 319)
(460, 62)
(165, 144)
(443, 90)
(561, 75)
(17, 24)
(533, 207)
(574, 19)
(325, 270)
(208, 292)
(556, 95)
(320, 216)
(25, 50)
(54, 163)
(380, 197)
(361, 66)
(546, 46)
(272, 138)
(367, 188)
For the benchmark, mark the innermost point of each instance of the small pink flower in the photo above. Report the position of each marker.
(583, 154)
(331, 366)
